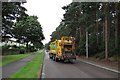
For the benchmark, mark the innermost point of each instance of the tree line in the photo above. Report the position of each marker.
(100, 20)
(16, 23)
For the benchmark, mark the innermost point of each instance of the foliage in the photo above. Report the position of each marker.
(22, 50)
(29, 30)
(11, 12)
(17, 24)
(98, 19)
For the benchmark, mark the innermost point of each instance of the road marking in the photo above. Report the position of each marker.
(100, 66)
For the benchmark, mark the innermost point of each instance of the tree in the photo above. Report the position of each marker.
(29, 30)
(101, 20)
(116, 26)
(11, 12)
(106, 31)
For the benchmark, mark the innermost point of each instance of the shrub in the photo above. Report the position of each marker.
(22, 50)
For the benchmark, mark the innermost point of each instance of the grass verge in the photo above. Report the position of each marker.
(12, 58)
(31, 69)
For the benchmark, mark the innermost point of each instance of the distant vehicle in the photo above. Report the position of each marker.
(47, 50)
(63, 49)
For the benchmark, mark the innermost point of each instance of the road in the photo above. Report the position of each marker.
(78, 69)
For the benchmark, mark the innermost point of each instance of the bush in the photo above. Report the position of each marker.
(22, 50)
(35, 50)
(14, 46)
(31, 48)
(6, 47)
(100, 55)
(80, 48)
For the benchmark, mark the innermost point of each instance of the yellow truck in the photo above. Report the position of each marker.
(63, 49)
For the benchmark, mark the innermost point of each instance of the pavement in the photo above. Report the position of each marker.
(100, 65)
(15, 66)
(78, 69)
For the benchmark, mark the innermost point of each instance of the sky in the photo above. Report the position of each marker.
(49, 14)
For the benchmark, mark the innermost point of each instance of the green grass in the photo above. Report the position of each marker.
(31, 69)
(12, 58)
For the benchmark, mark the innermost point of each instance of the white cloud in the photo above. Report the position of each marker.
(49, 12)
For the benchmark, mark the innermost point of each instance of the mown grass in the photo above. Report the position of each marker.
(12, 58)
(31, 69)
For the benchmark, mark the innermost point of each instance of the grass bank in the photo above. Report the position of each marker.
(112, 61)
(31, 69)
(12, 58)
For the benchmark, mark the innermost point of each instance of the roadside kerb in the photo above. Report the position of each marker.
(41, 69)
(113, 70)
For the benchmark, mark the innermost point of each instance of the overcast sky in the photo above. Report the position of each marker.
(49, 13)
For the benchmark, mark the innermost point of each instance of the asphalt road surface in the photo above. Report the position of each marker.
(78, 69)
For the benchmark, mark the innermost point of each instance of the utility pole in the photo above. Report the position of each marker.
(86, 44)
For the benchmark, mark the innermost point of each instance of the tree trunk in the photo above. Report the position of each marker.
(27, 46)
(106, 31)
(87, 44)
(76, 38)
(80, 33)
(116, 26)
(106, 38)
(76, 33)
(103, 31)
(118, 50)
(97, 30)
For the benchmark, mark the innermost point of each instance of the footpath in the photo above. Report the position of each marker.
(105, 64)
(10, 69)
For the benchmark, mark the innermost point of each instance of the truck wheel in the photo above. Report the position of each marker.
(53, 58)
(62, 60)
(56, 59)
(50, 57)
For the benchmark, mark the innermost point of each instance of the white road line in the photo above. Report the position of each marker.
(100, 66)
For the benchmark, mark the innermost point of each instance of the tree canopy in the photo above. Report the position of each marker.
(11, 12)
(29, 30)
(16, 23)
(99, 19)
